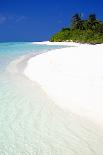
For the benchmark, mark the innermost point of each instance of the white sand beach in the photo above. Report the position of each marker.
(72, 77)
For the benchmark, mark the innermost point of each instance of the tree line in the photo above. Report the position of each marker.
(88, 30)
(92, 23)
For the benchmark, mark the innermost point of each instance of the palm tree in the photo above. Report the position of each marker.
(77, 22)
(92, 18)
(92, 21)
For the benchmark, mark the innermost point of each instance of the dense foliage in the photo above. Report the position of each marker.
(84, 31)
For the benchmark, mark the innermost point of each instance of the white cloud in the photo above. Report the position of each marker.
(11, 18)
(2, 19)
(21, 18)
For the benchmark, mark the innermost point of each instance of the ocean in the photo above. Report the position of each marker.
(30, 122)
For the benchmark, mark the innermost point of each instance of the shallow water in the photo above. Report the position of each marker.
(30, 123)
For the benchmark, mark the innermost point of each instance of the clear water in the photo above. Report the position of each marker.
(30, 123)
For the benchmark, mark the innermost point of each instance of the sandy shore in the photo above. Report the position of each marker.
(58, 43)
(72, 77)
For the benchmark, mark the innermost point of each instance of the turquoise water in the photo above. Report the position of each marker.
(30, 123)
(10, 51)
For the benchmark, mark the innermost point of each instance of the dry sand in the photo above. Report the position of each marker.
(72, 77)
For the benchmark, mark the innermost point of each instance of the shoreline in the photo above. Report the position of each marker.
(59, 43)
(72, 77)
(32, 118)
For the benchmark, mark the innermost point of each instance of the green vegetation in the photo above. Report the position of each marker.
(84, 31)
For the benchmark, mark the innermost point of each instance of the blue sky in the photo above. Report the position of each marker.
(37, 20)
